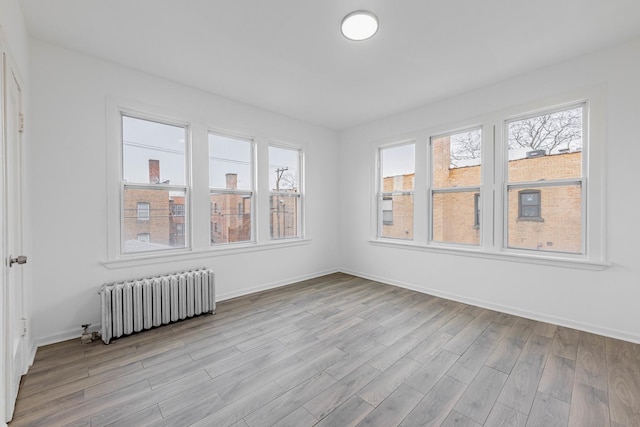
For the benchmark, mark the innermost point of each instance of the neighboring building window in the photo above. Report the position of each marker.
(153, 180)
(143, 212)
(387, 211)
(476, 210)
(456, 173)
(178, 210)
(395, 193)
(529, 205)
(285, 215)
(231, 188)
(144, 237)
(544, 165)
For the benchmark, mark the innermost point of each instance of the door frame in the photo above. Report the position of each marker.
(4, 368)
(8, 71)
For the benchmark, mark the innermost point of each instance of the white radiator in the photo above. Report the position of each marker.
(132, 306)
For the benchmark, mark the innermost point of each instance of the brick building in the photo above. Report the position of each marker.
(543, 218)
(153, 218)
(230, 214)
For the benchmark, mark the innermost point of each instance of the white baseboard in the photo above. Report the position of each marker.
(542, 317)
(76, 332)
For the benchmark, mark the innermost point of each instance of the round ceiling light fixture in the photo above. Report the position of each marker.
(359, 25)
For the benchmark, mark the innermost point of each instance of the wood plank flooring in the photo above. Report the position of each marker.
(338, 351)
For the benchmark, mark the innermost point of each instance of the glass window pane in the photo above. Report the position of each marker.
(152, 152)
(398, 168)
(456, 159)
(283, 218)
(456, 217)
(548, 146)
(229, 163)
(230, 217)
(397, 216)
(148, 213)
(284, 173)
(554, 224)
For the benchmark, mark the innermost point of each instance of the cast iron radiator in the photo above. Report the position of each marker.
(134, 305)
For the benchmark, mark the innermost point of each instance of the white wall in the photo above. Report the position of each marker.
(606, 302)
(68, 188)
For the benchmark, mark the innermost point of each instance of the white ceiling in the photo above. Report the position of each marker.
(288, 56)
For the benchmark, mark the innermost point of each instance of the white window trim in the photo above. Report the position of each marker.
(493, 187)
(251, 192)
(116, 109)
(197, 206)
(473, 188)
(380, 194)
(301, 235)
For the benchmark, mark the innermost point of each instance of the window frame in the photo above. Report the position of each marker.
(538, 205)
(494, 199)
(581, 181)
(475, 189)
(251, 192)
(186, 187)
(381, 195)
(299, 195)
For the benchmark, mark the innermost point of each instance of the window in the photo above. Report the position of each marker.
(476, 210)
(522, 184)
(177, 210)
(143, 211)
(231, 188)
(456, 173)
(144, 237)
(395, 194)
(285, 192)
(529, 205)
(387, 211)
(545, 177)
(153, 181)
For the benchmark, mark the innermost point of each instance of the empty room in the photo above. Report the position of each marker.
(329, 213)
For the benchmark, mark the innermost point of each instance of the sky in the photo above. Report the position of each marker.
(144, 140)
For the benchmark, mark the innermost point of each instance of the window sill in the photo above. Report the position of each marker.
(188, 255)
(477, 252)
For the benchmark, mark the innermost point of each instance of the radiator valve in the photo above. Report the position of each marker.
(86, 337)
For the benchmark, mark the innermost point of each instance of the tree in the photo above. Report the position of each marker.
(552, 132)
(465, 146)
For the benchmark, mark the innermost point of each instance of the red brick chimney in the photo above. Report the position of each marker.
(154, 171)
(232, 181)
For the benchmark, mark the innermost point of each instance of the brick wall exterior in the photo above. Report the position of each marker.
(454, 217)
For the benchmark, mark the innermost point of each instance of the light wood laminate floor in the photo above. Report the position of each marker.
(338, 351)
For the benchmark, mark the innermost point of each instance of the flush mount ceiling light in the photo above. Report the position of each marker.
(359, 25)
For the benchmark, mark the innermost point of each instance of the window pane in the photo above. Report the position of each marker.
(398, 168)
(554, 224)
(283, 219)
(456, 159)
(548, 146)
(229, 163)
(456, 217)
(397, 216)
(230, 217)
(152, 152)
(284, 173)
(149, 224)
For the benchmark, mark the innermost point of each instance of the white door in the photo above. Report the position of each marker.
(14, 328)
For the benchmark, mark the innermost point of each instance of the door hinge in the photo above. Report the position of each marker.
(21, 123)
(24, 326)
